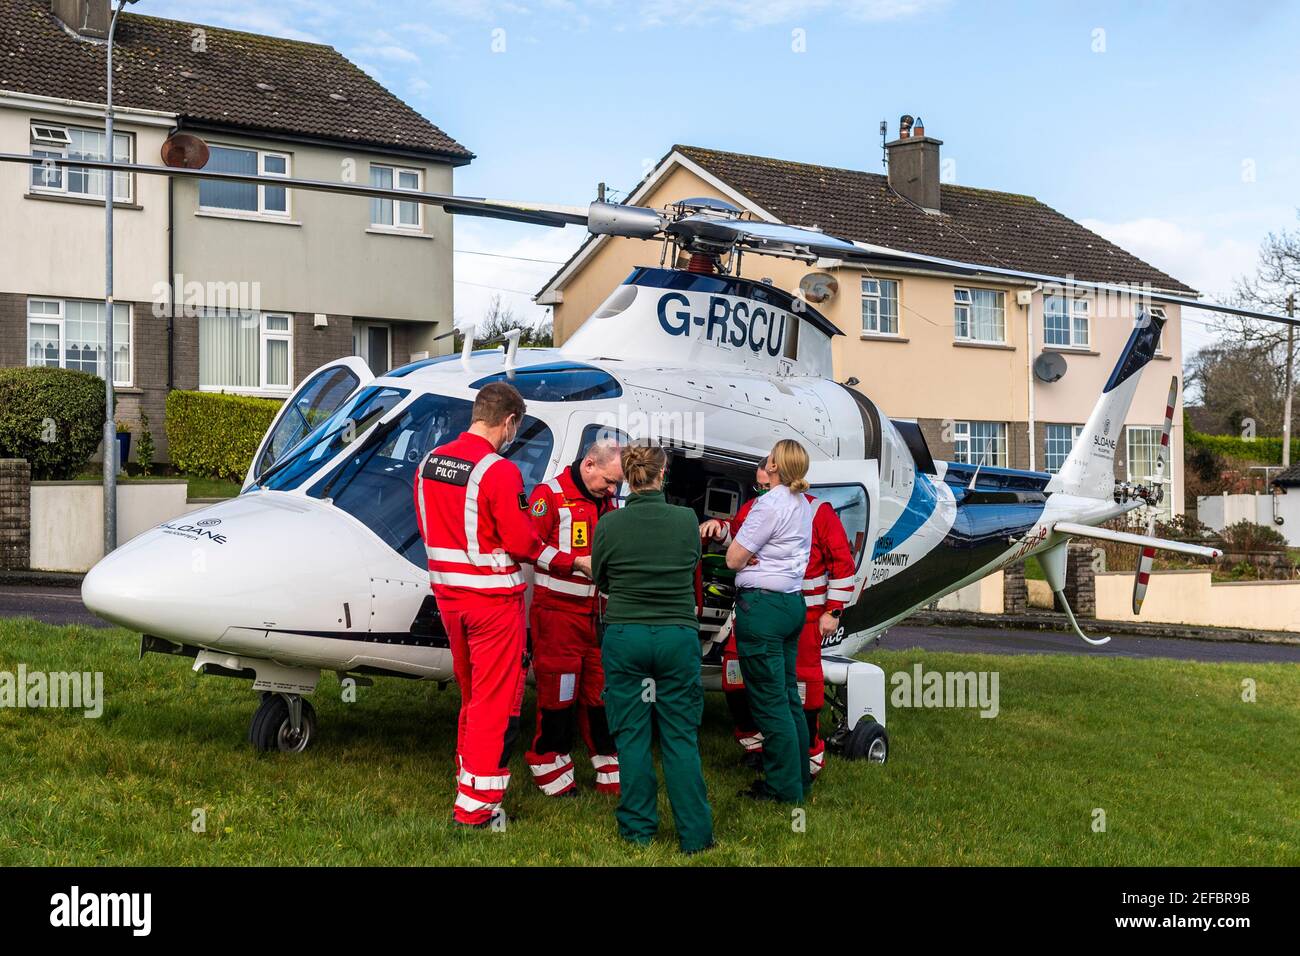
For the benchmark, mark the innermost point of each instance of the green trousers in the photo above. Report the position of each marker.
(767, 641)
(652, 674)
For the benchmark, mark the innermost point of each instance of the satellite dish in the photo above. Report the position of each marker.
(818, 287)
(184, 151)
(1049, 367)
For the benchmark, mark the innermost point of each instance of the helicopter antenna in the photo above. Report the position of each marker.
(983, 456)
(468, 347)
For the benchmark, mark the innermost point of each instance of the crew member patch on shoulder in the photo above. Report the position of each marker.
(453, 471)
(539, 508)
(523, 501)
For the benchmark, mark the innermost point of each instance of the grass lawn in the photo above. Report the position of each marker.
(196, 486)
(1186, 772)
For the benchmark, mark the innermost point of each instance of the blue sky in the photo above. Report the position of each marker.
(1170, 128)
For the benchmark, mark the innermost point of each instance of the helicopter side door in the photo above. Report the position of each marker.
(318, 396)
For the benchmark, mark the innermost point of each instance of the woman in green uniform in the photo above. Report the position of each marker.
(770, 555)
(644, 557)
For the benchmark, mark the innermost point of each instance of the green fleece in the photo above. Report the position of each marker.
(644, 557)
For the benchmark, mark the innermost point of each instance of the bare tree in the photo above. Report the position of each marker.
(1243, 375)
(500, 319)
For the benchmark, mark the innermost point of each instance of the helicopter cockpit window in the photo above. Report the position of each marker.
(312, 405)
(328, 438)
(376, 484)
(558, 382)
(850, 504)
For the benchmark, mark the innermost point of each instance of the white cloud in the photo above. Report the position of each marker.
(1209, 263)
(388, 53)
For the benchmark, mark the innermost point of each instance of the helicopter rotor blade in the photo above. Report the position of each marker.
(455, 205)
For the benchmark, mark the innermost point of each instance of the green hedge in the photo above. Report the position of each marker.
(216, 435)
(53, 417)
(1264, 450)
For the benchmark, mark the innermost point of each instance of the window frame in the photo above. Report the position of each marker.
(263, 336)
(1072, 317)
(60, 321)
(261, 212)
(1155, 432)
(1076, 431)
(58, 150)
(1001, 442)
(397, 225)
(879, 299)
(967, 306)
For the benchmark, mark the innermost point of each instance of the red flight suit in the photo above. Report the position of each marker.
(565, 644)
(474, 519)
(827, 586)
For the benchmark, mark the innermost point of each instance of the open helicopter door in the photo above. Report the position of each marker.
(319, 395)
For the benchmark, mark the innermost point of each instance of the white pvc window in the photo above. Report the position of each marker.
(70, 333)
(1066, 322)
(1143, 448)
(977, 443)
(245, 351)
(255, 199)
(880, 306)
(395, 214)
(980, 315)
(1060, 440)
(69, 143)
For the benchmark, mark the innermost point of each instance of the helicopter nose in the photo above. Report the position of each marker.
(252, 562)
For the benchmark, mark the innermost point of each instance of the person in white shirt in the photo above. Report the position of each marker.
(770, 554)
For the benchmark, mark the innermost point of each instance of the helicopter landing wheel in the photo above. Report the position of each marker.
(284, 723)
(867, 741)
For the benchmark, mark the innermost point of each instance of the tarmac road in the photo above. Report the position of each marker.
(60, 605)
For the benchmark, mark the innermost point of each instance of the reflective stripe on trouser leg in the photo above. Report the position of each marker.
(487, 646)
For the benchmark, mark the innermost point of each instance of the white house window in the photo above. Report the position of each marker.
(252, 198)
(245, 351)
(976, 443)
(70, 333)
(1143, 443)
(980, 315)
(1066, 322)
(880, 306)
(1158, 312)
(395, 214)
(72, 143)
(1060, 439)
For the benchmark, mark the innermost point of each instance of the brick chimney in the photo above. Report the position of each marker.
(87, 18)
(914, 164)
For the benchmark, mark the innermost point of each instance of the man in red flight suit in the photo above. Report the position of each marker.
(474, 518)
(827, 588)
(562, 623)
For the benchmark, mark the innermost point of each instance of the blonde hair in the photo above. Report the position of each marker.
(643, 465)
(791, 461)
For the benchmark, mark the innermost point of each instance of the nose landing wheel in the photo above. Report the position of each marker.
(284, 723)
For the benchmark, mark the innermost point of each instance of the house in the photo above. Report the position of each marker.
(219, 286)
(957, 357)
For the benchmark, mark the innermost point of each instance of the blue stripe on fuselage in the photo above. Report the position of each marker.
(920, 505)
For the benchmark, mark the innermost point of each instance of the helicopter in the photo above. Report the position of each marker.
(318, 564)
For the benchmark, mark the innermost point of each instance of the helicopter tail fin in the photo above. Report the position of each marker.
(1089, 471)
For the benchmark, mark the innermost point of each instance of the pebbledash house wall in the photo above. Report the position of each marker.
(327, 261)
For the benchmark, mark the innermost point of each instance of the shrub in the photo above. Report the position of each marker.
(1246, 536)
(216, 435)
(144, 452)
(53, 417)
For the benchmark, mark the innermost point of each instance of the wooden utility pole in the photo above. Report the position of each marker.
(1290, 368)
